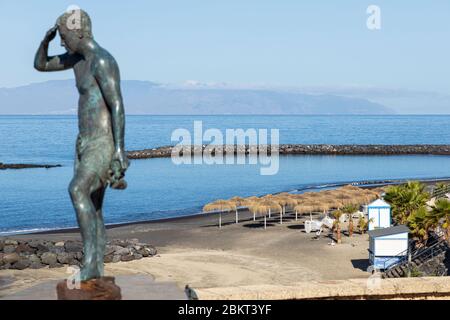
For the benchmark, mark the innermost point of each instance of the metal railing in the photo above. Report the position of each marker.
(433, 247)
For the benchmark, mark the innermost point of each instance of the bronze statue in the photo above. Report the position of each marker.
(100, 155)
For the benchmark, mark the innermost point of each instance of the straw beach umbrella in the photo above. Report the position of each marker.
(371, 195)
(315, 205)
(242, 202)
(309, 196)
(322, 201)
(249, 202)
(221, 206)
(345, 198)
(245, 202)
(268, 197)
(334, 203)
(237, 199)
(350, 188)
(264, 206)
(239, 202)
(312, 195)
(271, 197)
(302, 209)
(284, 201)
(258, 209)
(283, 194)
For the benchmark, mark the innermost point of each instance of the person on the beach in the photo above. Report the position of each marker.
(100, 155)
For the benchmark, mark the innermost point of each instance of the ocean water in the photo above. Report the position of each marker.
(37, 199)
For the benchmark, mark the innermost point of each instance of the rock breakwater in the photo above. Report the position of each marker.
(299, 149)
(36, 254)
(4, 166)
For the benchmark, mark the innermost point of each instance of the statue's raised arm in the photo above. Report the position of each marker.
(42, 62)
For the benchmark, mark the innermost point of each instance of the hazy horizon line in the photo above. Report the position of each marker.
(246, 115)
(194, 84)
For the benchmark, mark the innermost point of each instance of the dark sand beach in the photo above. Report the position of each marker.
(194, 251)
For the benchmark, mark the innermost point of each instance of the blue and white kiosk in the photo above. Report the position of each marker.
(379, 214)
(387, 246)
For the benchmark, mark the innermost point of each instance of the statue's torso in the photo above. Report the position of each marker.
(94, 118)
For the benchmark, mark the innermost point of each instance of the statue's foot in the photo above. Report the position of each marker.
(95, 289)
(100, 266)
(92, 266)
(89, 272)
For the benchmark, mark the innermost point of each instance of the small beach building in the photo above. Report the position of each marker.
(387, 246)
(379, 214)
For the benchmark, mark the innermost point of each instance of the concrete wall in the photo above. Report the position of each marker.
(373, 288)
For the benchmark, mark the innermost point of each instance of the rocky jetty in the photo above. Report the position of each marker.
(160, 152)
(4, 166)
(36, 254)
(284, 149)
(301, 149)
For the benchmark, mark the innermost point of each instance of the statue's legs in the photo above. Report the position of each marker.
(81, 188)
(97, 199)
(87, 190)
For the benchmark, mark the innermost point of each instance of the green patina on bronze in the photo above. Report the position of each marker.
(100, 157)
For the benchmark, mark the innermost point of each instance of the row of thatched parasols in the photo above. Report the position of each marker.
(308, 202)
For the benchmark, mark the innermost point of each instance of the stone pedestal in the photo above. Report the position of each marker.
(132, 287)
(95, 289)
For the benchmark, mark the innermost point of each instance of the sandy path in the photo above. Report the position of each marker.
(212, 268)
(199, 269)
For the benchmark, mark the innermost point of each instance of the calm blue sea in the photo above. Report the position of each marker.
(37, 199)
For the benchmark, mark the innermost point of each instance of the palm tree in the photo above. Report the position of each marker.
(441, 212)
(363, 224)
(337, 214)
(420, 222)
(405, 199)
(350, 209)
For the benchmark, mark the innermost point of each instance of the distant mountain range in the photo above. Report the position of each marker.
(145, 97)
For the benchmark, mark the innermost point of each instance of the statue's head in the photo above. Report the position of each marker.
(74, 27)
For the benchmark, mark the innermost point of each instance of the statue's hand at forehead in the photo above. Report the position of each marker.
(51, 34)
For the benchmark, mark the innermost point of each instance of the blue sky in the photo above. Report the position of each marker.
(287, 42)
